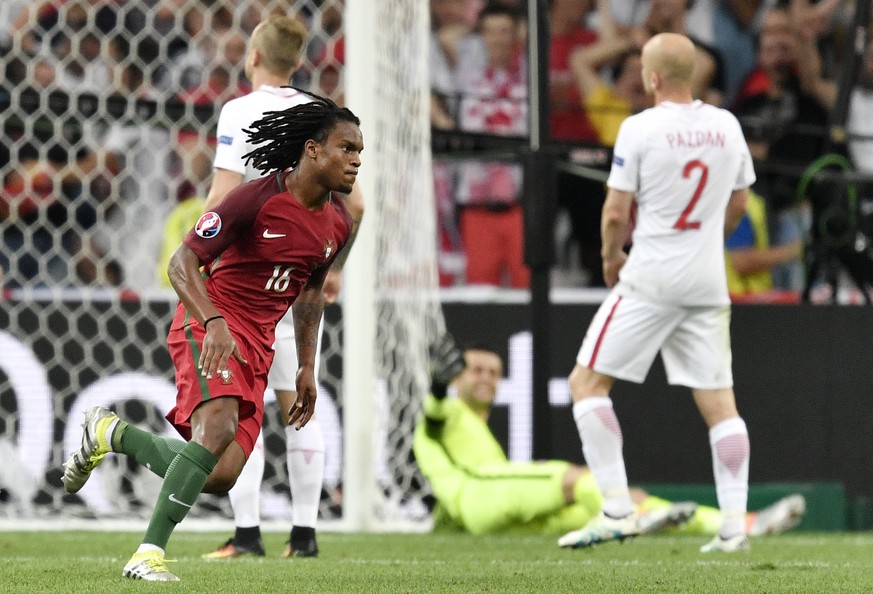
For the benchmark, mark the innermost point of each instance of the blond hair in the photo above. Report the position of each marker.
(280, 41)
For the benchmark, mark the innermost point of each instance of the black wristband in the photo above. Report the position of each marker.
(207, 320)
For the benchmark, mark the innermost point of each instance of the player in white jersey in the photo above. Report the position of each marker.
(274, 54)
(687, 166)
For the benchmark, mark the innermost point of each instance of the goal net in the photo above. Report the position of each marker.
(107, 143)
(393, 310)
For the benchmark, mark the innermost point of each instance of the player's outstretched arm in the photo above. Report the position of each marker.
(219, 344)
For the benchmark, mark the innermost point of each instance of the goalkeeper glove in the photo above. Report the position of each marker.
(447, 363)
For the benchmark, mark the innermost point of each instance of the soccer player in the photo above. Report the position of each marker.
(274, 55)
(267, 247)
(688, 168)
(478, 490)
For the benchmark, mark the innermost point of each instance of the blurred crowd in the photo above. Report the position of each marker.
(86, 194)
(774, 63)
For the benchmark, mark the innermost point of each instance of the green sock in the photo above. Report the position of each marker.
(184, 481)
(569, 517)
(152, 451)
(705, 521)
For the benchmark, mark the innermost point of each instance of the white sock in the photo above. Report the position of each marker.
(729, 441)
(110, 431)
(149, 547)
(305, 457)
(601, 443)
(245, 497)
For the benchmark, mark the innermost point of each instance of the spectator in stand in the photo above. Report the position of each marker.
(82, 63)
(568, 32)
(738, 24)
(773, 25)
(630, 14)
(670, 16)
(204, 30)
(579, 198)
(47, 213)
(30, 213)
(210, 72)
(67, 35)
(252, 12)
(608, 104)
(139, 155)
(749, 257)
(42, 24)
(10, 12)
(325, 70)
(449, 25)
(494, 101)
(860, 117)
(88, 194)
(159, 42)
(828, 21)
(785, 127)
(451, 33)
(221, 80)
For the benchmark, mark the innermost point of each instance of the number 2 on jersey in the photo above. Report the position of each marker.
(683, 224)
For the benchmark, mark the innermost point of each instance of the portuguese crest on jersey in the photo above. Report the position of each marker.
(208, 225)
(329, 248)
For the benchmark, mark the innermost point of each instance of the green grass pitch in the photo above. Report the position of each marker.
(421, 563)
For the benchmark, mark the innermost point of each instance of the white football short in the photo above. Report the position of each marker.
(627, 332)
(283, 372)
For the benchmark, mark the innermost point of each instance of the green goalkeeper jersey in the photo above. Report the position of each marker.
(451, 433)
(451, 443)
(477, 488)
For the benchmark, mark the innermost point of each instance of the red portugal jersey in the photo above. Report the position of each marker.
(261, 247)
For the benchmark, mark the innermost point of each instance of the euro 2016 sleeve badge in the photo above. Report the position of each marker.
(208, 225)
(226, 376)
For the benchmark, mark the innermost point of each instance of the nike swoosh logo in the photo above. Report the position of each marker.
(172, 497)
(268, 235)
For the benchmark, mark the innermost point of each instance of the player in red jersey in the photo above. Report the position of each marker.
(267, 247)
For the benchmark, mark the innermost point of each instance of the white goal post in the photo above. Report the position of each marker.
(391, 309)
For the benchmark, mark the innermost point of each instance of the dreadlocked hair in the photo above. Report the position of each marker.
(287, 131)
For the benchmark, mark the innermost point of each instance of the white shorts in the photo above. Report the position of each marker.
(627, 332)
(283, 373)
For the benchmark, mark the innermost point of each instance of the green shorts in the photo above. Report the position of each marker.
(520, 496)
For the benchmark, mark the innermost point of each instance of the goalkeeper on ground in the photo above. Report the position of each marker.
(479, 490)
